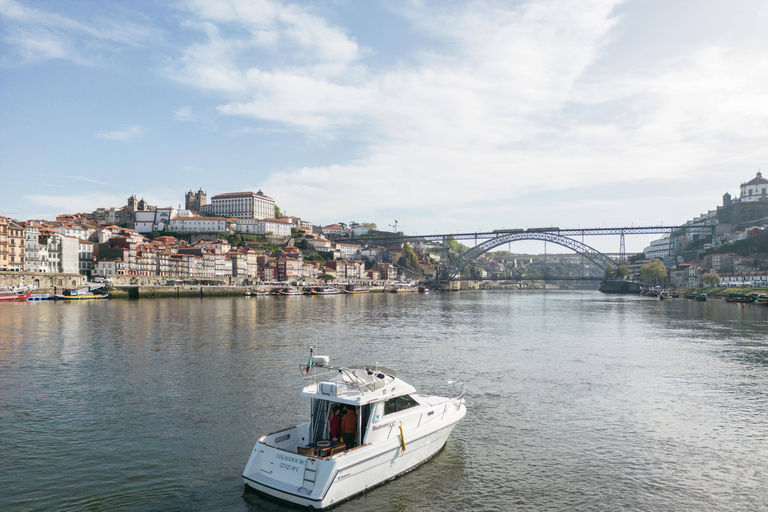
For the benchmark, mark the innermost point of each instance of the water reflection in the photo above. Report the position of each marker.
(576, 400)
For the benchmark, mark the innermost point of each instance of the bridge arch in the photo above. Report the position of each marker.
(593, 255)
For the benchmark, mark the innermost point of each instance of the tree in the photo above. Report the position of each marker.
(410, 260)
(326, 277)
(369, 225)
(278, 213)
(236, 240)
(710, 279)
(622, 271)
(609, 271)
(653, 272)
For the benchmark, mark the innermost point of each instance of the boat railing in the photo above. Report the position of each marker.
(456, 386)
(350, 377)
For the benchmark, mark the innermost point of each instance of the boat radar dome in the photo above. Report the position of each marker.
(320, 360)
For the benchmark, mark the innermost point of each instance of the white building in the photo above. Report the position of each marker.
(274, 227)
(321, 244)
(72, 230)
(349, 251)
(754, 189)
(244, 205)
(662, 247)
(70, 255)
(109, 267)
(147, 221)
(198, 225)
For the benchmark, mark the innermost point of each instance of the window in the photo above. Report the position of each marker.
(398, 404)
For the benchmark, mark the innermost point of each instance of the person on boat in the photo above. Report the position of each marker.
(335, 423)
(349, 427)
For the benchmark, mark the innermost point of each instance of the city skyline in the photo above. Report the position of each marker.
(451, 117)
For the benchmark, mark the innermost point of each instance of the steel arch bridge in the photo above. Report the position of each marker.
(593, 255)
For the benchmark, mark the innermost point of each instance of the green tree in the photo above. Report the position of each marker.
(710, 279)
(411, 260)
(326, 277)
(369, 225)
(622, 271)
(302, 244)
(653, 272)
(610, 272)
(278, 213)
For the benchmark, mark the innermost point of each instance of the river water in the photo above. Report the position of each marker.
(576, 400)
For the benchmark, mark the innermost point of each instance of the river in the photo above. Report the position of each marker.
(576, 400)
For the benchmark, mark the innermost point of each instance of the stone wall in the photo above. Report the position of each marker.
(44, 282)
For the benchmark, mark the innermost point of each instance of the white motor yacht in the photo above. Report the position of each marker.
(397, 429)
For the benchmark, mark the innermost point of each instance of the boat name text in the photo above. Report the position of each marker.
(288, 459)
(384, 425)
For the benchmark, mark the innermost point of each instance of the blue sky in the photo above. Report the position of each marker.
(447, 116)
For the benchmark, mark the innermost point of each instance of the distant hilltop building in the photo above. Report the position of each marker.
(125, 216)
(243, 205)
(750, 207)
(195, 201)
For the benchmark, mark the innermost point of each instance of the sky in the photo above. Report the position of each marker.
(446, 116)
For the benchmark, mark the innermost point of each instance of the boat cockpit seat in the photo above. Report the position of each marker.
(337, 449)
(305, 450)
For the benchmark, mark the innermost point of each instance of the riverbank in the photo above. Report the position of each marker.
(159, 292)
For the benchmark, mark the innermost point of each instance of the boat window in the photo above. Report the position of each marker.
(398, 404)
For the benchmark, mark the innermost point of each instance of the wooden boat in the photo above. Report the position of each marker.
(355, 289)
(81, 294)
(740, 297)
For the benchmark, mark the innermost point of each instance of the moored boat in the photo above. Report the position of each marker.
(355, 289)
(82, 294)
(14, 295)
(740, 297)
(41, 296)
(324, 290)
(396, 430)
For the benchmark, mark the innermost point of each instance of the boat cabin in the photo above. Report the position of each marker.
(372, 391)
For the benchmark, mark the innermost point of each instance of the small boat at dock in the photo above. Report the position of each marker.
(41, 296)
(355, 289)
(16, 293)
(81, 294)
(740, 297)
(321, 290)
(14, 296)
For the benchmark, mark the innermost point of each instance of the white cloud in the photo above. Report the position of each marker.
(39, 35)
(125, 135)
(81, 178)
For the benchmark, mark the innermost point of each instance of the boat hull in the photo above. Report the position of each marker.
(15, 297)
(343, 476)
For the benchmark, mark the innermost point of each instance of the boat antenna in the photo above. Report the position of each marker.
(309, 362)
